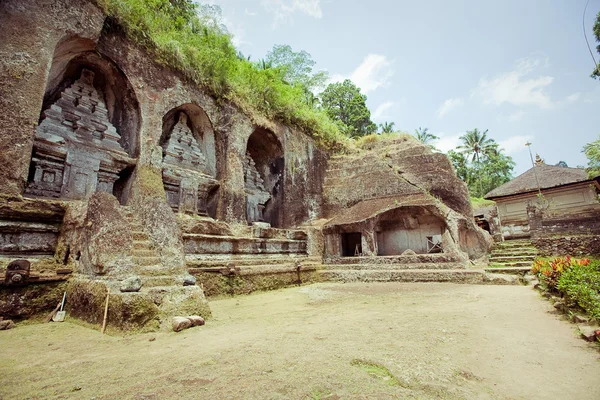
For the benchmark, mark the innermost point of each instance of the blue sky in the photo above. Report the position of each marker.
(519, 68)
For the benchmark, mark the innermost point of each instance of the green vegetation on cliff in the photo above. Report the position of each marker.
(188, 37)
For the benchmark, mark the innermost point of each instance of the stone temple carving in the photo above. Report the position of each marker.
(256, 193)
(185, 175)
(76, 149)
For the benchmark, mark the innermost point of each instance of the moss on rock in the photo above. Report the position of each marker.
(126, 311)
(30, 300)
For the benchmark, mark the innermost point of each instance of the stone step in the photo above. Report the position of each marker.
(161, 280)
(509, 270)
(145, 253)
(513, 264)
(159, 269)
(143, 245)
(501, 259)
(399, 259)
(515, 251)
(396, 267)
(407, 275)
(516, 243)
(140, 236)
(267, 269)
(222, 263)
(145, 261)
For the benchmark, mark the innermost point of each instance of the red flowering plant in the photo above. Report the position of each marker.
(549, 271)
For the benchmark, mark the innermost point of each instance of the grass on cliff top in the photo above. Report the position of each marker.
(478, 202)
(179, 38)
(368, 141)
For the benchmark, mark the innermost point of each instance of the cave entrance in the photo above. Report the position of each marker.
(351, 244)
(263, 178)
(409, 228)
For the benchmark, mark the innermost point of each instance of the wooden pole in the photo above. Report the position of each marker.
(105, 311)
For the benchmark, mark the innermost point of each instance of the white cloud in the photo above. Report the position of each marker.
(449, 105)
(514, 144)
(283, 9)
(516, 88)
(447, 142)
(374, 72)
(380, 112)
(573, 97)
(516, 116)
(250, 13)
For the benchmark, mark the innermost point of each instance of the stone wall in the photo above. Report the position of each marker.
(575, 245)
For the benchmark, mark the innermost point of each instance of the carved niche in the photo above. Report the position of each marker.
(256, 193)
(76, 149)
(186, 178)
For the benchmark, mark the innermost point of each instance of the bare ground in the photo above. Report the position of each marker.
(325, 341)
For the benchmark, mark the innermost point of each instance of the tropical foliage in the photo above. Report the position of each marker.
(592, 152)
(480, 163)
(578, 280)
(423, 135)
(344, 104)
(387, 127)
(192, 39)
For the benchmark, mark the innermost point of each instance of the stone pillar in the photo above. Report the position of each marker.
(535, 217)
(232, 193)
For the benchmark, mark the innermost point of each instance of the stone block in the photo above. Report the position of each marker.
(131, 284)
(6, 324)
(181, 323)
(196, 320)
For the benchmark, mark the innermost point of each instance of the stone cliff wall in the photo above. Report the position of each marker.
(85, 110)
(362, 189)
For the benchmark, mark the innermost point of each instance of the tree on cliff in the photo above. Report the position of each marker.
(592, 152)
(297, 67)
(344, 104)
(423, 135)
(387, 127)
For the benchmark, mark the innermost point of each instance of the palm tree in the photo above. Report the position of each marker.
(387, 127)
(476, 144)
(423, 135)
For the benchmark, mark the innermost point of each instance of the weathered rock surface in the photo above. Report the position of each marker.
(131, 284)
(181, 323)
(97, 232)
(189, 280)
(26, 301)
(400, 185)
(196, 320)
(587, 332)
(6, 324)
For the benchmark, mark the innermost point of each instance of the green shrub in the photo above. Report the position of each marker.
(549, 271)
(581, 283)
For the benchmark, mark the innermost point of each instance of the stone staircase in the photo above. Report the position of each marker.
(409, 268)
(513, 253)
(147, 259)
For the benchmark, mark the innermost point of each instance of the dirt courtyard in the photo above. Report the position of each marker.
(324, 341)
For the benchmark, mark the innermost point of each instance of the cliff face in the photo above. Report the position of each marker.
(91, 124)
(362, 190)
